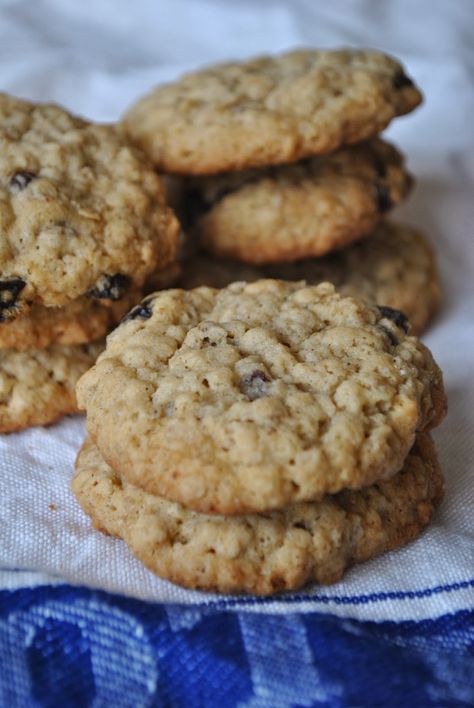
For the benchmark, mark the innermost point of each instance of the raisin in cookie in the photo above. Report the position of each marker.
(289, 212)
(270, 110)
(394, 267)
(37, 388)
(264, 553)
(82, 212)
(259, 395)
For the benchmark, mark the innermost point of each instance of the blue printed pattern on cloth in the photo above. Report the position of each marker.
(67, 646)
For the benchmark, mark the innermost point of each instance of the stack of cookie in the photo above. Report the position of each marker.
(278, 161)
(83, 222)
(260, 436)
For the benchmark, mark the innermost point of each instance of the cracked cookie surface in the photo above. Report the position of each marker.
(38, 388)
(295, 211)
(82, 211)
(395, 266)
(262, 554)
(258, 395)
(270, 110)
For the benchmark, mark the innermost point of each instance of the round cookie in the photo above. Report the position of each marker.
(262, 554)
(289, 212)
(259, 395)
(37, 388)
(270, 110)
(395, 266)
(82, 211)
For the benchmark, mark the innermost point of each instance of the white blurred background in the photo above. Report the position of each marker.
(98, 55)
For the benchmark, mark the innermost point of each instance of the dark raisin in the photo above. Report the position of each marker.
(253, 385)
(401, 80)
(384, 203)
(110, 287)
(9, 291)
(388, 333)
(396, 316)
(142, 311)
(20, 180)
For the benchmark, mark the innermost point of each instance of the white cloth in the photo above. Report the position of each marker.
(98, 56)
